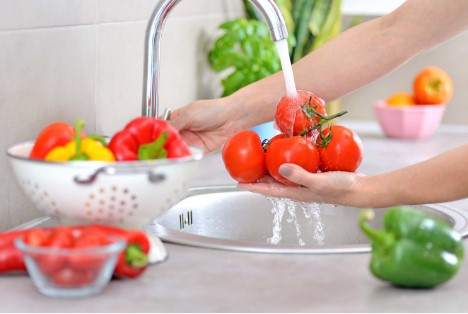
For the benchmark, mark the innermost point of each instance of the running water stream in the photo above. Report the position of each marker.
(283, 52)
(311, 211)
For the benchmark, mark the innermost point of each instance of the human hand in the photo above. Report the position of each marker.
(205, 123)
(336, 187)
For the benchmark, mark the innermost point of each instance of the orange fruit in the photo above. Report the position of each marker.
(432, 86)
(400, 99)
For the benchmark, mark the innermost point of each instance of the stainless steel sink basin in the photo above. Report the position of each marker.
(224, 217)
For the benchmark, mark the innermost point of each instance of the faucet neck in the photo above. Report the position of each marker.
(150, 108)
(273, 18)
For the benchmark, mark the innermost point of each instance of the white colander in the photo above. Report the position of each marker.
(127, 194)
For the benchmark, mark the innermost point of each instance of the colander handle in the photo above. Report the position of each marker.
(109, 170)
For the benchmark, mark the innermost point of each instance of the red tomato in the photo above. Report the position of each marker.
(296, 150)
(91, 237)
(290, 117)
(87, 239)
(61, 238)
(37, 237)
(344, 152)
(67, 277)
(244, 157)
(271, 140)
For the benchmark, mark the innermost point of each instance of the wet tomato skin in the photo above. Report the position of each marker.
(244, 158)
(289, 115)
(296, 150)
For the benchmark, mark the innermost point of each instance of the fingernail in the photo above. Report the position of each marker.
(285, 170)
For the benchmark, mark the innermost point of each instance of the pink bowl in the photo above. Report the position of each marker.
(409, 122)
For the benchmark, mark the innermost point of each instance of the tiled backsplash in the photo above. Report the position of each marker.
(63, 60)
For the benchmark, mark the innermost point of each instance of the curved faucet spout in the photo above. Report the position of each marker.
(267, 8)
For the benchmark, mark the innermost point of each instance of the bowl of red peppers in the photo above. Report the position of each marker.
(125, 180)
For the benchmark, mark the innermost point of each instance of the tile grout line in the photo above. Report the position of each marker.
(95, 22)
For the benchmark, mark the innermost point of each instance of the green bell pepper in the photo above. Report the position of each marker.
(413, 249)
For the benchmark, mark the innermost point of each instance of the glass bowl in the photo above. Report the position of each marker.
(73, 272)
(409, 122)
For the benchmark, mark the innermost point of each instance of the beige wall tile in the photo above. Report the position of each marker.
(119, 74)
(47, 75)
(126, 10)
(185, 71)
(26, 14)
(184, 76)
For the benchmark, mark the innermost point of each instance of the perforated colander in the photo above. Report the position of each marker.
(126, 194)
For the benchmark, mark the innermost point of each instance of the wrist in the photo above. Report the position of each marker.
(378, 191)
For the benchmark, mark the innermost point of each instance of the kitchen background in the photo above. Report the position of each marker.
(63, 60)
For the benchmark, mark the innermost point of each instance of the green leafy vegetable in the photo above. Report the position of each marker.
(246, 51)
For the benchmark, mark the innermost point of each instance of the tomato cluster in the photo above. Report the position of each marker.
(305, 140)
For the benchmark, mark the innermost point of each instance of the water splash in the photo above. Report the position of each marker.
(311, 212)
(278, 211)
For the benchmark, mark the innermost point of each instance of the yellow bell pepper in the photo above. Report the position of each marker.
(81, 149)
(90, 148)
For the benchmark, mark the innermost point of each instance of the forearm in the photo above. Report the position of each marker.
(359, 55)
(439, 179)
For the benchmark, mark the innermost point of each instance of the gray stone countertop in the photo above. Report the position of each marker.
(208, 280)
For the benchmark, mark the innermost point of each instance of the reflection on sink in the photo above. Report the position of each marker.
(224, 217)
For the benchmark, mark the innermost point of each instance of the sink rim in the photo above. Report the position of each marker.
(169, 235)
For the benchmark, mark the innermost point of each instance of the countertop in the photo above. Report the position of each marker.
(208, 280)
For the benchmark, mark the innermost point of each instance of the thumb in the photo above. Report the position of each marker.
(175, 120)
(295, 174)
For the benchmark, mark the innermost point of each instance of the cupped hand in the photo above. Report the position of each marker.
(205, 123)
(341, 188)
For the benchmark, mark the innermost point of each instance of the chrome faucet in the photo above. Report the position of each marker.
(267, 8)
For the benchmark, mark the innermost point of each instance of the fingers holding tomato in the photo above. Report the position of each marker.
(295, 150)
(303, 141)
(338, 148)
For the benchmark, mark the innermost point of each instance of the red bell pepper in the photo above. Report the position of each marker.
(134, 260)
(11, 259)
(146, 138)
(53, 135)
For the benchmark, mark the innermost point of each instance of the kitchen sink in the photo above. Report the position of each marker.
(224, 217)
